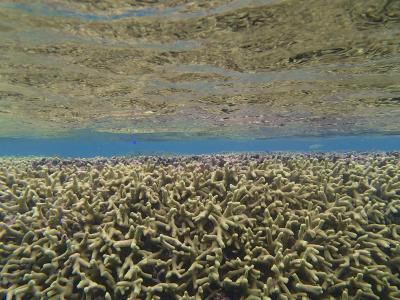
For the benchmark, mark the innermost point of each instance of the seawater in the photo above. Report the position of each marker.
(187, 150)
(257, 69)
(91, 144)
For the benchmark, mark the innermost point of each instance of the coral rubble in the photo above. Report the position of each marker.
(279, 226)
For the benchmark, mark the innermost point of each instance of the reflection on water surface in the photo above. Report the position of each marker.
(265, 68)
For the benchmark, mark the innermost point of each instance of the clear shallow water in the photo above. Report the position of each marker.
(106, 145)
(176, 77)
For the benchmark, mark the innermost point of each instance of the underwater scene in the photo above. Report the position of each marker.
(199, 149)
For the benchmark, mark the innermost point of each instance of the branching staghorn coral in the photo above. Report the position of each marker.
(210, 227)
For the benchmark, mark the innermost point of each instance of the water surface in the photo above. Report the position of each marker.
(230, 68)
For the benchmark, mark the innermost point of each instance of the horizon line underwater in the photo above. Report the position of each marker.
(90, 144)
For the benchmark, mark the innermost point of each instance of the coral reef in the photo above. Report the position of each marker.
(277, 226)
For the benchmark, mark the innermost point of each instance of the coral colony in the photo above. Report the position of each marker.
(249, 227)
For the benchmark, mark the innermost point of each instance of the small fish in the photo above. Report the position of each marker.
(315, 146)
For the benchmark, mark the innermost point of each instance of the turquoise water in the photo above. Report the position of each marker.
(96, 144)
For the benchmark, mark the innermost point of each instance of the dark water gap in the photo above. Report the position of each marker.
(89, 144)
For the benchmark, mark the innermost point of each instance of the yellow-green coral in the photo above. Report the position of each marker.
(240, 227)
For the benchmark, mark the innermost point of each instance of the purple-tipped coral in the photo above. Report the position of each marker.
(223, 227)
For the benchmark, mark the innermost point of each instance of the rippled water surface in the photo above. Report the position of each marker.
(209, 68)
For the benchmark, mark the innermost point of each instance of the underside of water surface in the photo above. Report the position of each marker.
(237, 68)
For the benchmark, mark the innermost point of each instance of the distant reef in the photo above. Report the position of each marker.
(276, 226)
